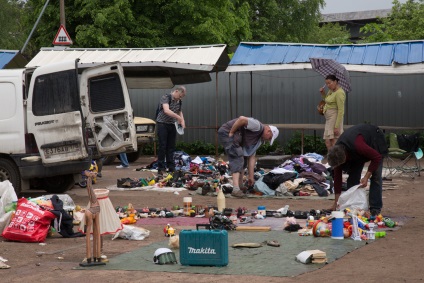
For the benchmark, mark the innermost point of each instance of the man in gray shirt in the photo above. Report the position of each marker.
(241, 138)
(169, 112)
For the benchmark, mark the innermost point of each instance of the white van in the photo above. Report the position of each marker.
(54, 119)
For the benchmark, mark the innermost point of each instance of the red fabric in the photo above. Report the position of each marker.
(30, 223)
(364, 150)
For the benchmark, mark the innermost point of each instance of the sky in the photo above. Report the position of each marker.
(343, 6)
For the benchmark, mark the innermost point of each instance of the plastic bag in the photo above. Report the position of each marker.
(130, 232)
(353, 198)
(7, 195)
(30, 223)
(8, 201)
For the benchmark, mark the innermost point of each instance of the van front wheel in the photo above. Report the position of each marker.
(133, 156)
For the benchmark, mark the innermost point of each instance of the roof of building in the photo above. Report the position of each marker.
(146, 67)
(203, 57)
(11, 59)
(385, 57)
(355, 16)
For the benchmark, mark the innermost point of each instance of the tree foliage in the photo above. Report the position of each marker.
(331, 33)
(283, 20)
(406, 22)
(143, 23)
(11, 29)
(155, 23)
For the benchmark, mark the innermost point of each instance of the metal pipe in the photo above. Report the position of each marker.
(251, 94)
(236, 95)
(35, 26)
(231, 99)
(216, 114)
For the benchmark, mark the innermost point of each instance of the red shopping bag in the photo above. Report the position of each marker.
(31, 223)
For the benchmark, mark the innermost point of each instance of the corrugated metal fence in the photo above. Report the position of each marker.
(289, 97)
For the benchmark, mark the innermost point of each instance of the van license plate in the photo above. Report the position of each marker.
(61, 149)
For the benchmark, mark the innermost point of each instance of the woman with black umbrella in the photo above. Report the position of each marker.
(333, 110)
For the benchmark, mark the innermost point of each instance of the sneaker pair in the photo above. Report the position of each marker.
(121, 167)
(238, 194)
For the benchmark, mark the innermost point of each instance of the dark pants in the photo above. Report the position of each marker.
(237, 161)
(376, 183)
(167, 135)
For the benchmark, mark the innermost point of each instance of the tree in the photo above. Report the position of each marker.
(142, 23)
(11, 30)
(331, 33)
(406, 22)
(283, 20)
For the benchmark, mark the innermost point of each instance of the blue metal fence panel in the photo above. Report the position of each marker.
(278, 55)
(356, 57)
(357, 54)
(385, 55)
(371, 55)
(6, 57)
(401, 53)
(416, 53)
(304, 53)
(344, 54)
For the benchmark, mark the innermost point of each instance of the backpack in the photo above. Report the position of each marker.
(160, 105)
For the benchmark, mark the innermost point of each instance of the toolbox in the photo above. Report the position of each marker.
(204, 247)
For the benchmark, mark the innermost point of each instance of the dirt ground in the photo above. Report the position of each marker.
(397, 258)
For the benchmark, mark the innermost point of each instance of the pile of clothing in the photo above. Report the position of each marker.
(302, 175)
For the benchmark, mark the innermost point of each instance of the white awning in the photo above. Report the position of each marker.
(181, 65)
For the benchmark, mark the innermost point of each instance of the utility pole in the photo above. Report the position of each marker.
(62, 13)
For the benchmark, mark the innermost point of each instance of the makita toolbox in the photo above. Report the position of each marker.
(204, 247)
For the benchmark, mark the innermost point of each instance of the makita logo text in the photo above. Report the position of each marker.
(45, 122)
(208, 251)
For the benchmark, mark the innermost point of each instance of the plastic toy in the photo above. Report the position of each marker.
(93, 168)
(321, 229)
(169, 231)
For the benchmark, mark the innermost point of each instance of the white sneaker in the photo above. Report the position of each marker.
(121, 167)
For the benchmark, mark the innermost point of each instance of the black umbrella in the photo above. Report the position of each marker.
(331, 67)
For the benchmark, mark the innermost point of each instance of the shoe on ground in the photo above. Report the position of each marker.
(273, 243)
(238, 194)
(99, 175)
(121, 167)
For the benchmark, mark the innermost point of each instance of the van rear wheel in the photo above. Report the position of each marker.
(109, 159)
(9, 171)
(133, 156)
